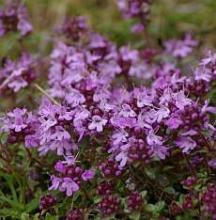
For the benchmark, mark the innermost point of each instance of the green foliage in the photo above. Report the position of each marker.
(13, 200)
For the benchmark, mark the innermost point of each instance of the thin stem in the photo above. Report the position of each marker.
(46, 94)
(32, 158)
(7, 80)
(88, 197)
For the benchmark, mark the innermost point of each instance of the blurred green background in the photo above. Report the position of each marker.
(169, 18)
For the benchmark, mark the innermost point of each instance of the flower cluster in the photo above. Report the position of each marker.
(14, 17)
(209, 201)
(74, 28)
(109, 205)
(75, 214)
(21, 126)
(69, 176)
(47, 201)
(134, 201)
(138, 9)
(180, 48)
(115, 122)
(15, 75)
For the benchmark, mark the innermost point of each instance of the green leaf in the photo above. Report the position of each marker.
(144, 193)
(12, 203)
(97, 199)
(155, 209)
(170, 190)
(159, 206)
(6, 212)
(25, 216)
(36, 217)
(150, 207)
(32, 205)
(135, 216)
(51, 217)
(150, 173)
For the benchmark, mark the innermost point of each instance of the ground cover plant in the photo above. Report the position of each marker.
(111, 120)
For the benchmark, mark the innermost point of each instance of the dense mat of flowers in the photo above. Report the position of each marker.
(130, 132)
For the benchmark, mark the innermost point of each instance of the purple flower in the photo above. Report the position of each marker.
(88, 175)
(181, 100)
(69, 186)
(74, 27)
(128, 55)
(162, 113)
(55, 182)
(203, 73)
(32, 141)
(59, 166)
(122, 122)
(180, 48)
(212, 163)
(186, 143)
(210, 59)
(16, 75)
(17, 119)
(138, 9)
(137, 28)
(59, 142)
(69, 160)
(74, 98)
(153, 139)
(144, 97)
(97, 123)
(160, 151)
(122, 158)
(207, 108)
(119, 137)
(127, 111)
(14, 17)
(174, 121)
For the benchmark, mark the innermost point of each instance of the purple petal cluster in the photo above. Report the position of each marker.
(18, 74)
(180, 48)
(69, 176)
(13, 18)
(21, 126)
(134, 201)
(75, 214)
(109, 205)
(47, 202)
(138, 9)
(143, 123)
(74, 28)
(209, 201)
